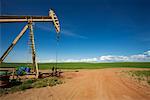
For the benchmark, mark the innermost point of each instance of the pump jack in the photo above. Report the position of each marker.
(29, 19)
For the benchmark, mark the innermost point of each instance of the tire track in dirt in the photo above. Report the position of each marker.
(120, 90)
(81, 87)
(135, 90)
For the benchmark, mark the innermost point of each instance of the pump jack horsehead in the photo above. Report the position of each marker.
(29, 19)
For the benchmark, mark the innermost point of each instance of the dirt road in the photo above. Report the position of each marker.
(101, 84)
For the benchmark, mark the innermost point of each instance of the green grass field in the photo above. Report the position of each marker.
(83, 65)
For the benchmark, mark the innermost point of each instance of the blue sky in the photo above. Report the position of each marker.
(89, 29)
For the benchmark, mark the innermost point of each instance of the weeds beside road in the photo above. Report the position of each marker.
(16, 85)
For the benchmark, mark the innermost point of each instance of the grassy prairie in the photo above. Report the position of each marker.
(83, 65)
(143, 75)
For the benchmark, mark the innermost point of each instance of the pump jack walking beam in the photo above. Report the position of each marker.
(12, 19)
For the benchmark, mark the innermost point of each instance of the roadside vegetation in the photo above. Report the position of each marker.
(82, 65)
(17, 85)
(140, 75)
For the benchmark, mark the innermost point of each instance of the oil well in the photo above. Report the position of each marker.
(29, 25)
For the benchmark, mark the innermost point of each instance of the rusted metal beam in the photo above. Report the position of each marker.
(25, 17)
(9, 19)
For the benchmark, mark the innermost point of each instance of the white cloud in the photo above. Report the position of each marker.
(138, 57)
(64, 31)
(70, 60)
(111, 58)
(89, 60)
(147, 53)
(46, 60)
(73, 34)
(145, 57)
(80, 60)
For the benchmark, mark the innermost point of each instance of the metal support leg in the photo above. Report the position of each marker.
(35, 65)
(13, 43)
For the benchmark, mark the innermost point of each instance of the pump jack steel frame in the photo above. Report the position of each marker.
(29, 19)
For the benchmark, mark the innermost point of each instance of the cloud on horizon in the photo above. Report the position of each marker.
(144, 57)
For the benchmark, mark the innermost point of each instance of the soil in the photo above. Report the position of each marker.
(97, 84)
